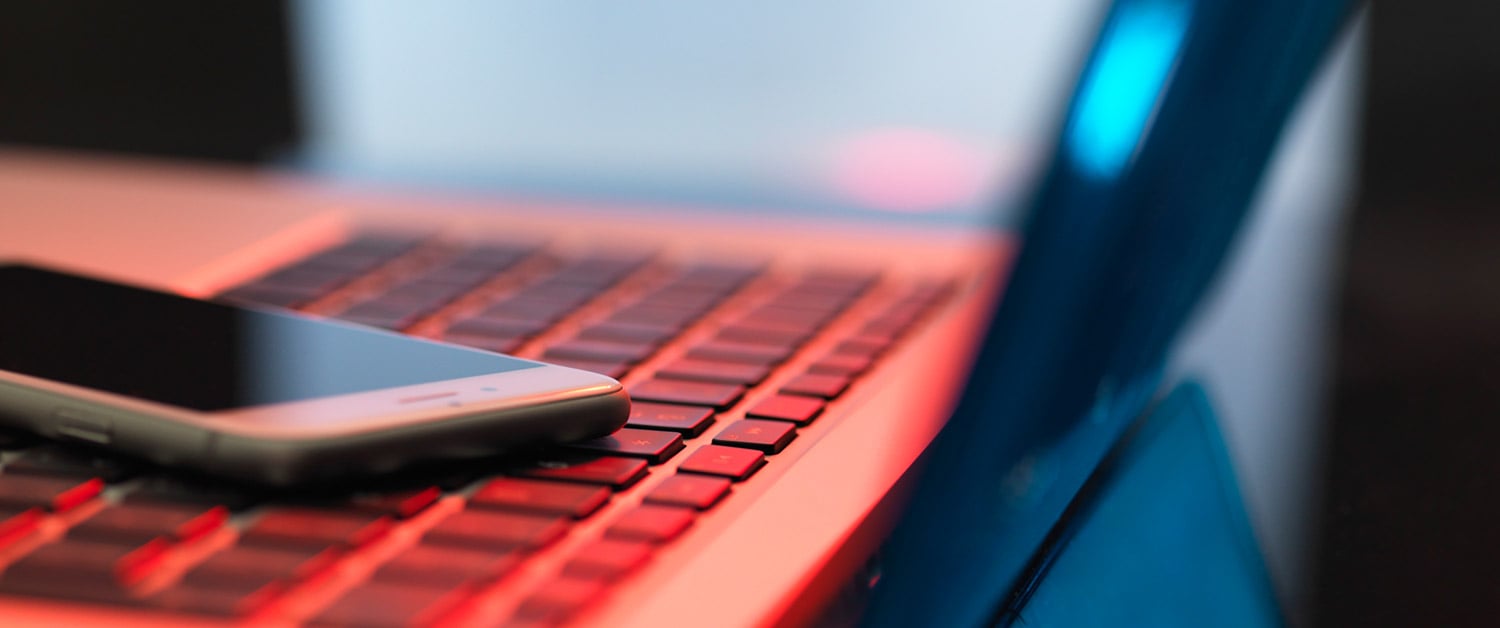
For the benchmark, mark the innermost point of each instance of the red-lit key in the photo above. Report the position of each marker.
(445, 567)
(612, 471)
(687, 420)
(652, 523)
(730, 462)
(686, 489)
(655, 446)
(714, 371)
(688, 393)
(608, 559)
(17, 525)
(817, 385)
(766, 436)
(138, 523)
(314, 528)
(795, 408)
(559, 599)
(502, 531)
(555, 498)
(55, 494)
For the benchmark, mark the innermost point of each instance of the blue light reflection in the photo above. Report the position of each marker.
(1120, 88)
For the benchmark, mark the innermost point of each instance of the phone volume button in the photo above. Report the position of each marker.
(76, 425)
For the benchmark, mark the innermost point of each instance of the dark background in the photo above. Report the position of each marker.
(1410, 526)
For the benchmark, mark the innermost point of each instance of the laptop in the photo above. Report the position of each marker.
(799, 370)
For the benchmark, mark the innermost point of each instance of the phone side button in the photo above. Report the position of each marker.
(75, 425)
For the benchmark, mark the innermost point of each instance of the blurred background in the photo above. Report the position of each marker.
(1351, 343)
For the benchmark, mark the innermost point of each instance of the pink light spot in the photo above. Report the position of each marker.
(910, 170)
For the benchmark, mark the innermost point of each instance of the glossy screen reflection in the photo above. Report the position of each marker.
(202, 355)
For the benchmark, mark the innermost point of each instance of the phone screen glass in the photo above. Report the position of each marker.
(203, 355)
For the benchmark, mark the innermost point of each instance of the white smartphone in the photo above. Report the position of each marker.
(266, 396)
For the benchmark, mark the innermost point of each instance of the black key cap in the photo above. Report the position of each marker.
(247, 568)
(445, 567)
(648, 334)
(841, 364)
(714, 371)
(730, 462)
(17, 524)
(608, 559)
(687, 420)
(401, 504)
(652, 523)
(540, 496)
(765, 436)
(57, 494)
(556, 601)
(817, 385)
(379, 605)
(494, 328)
(744, 352)
(655, 446)
(86, 564)
(771, 335)
(719, 396)
(499, 531)
(685, 489)
(139, 523)
(217, 601)
(312, 528)
(600, 350)
(795, 408)
(611, 471)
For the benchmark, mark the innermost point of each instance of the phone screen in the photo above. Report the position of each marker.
(203, 355)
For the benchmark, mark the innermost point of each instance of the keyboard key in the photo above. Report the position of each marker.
(85, 564)
(841, 364)
(714, 371)
(249, 568)
(730, 462)
(719, 396)
(655, 446)
(779, 335)
(556, 601)
(744, 352)
(648, 334)
(553, 498)
(138, 523)
(493, 328)
(600, 350)
(401, 504)
(608, 559)
(312, 528)
(685, 489)
(795, 408)
(222, 602)
(817, 385)
(687, 420)
(17, 524)
(380, 605)
(615, 472)
(500, 531)
(445, 567)
(765, 436)
(57, 494)
(652, 523)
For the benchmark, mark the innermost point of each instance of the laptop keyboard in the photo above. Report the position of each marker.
(725, 363)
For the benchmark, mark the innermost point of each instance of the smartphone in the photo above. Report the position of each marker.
(263, 396)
